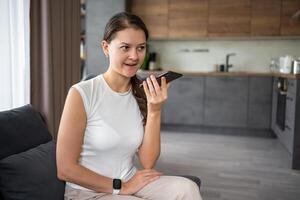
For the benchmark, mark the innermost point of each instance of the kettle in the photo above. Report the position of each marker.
(285, 64)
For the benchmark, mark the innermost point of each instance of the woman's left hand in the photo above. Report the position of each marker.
(156, 94)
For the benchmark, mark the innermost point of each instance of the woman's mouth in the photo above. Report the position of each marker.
(131, 64)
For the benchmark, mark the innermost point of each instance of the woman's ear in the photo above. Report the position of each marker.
(104, 45)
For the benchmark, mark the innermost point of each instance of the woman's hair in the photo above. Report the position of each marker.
(117, 23)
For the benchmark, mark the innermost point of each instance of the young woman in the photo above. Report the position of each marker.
(108, 119)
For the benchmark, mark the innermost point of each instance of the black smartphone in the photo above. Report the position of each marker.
(169, 75)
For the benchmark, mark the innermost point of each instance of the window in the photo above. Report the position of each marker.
(14, 54)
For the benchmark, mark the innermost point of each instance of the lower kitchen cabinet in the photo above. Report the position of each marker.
(289, 135)
(225, 101)
(185, 102)
(260, 102)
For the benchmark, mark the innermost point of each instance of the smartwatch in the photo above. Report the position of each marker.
(117, 184)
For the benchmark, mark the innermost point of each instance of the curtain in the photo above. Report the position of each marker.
(54, 55)
(14, 54)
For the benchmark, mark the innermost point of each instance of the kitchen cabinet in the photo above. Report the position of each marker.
(185, 102)
(225, 101)
(289, 26)
(289, 136)
(220, 101)
(188, 18)
(260, 102)
(265, 20)
(154, 14)
(274, 104)
(192, 19)
(229, 18)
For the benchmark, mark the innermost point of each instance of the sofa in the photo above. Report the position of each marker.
(28, 157)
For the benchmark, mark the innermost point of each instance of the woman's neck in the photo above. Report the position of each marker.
(116, 81)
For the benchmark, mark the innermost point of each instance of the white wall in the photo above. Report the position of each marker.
(251, 55)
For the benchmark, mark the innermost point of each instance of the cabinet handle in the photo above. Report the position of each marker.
(287, 127)
(289, 98)
(290, 83)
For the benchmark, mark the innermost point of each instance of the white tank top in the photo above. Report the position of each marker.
(114, 130)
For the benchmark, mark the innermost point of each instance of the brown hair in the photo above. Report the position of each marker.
(119, 22)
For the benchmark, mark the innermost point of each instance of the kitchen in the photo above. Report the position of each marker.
(223, 115)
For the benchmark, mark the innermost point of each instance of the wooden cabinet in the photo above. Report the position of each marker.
(289, 26)
(188, 18)
(155, 15)
(229, 18)
(265, 20)
(192, 19)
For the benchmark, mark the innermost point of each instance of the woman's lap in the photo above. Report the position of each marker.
(166, 187)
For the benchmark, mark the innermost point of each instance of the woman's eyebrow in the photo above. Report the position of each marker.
(124, 43)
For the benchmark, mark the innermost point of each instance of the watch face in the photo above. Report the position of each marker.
(117, 183)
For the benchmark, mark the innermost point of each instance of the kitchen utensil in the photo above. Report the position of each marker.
(296, 66)
(285, 64)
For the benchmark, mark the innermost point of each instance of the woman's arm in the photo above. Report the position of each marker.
(149, 150)
(69, 142)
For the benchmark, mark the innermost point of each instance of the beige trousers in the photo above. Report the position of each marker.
(164, 188)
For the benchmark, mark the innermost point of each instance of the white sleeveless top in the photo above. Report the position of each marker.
(114, 130)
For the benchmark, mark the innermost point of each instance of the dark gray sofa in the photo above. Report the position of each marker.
(28, 158)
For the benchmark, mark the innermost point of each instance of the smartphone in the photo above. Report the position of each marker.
(169, 75)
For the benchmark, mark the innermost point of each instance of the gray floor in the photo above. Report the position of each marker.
(232, 166)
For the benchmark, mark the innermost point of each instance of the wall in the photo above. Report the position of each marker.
(251, 55)
(98, 13)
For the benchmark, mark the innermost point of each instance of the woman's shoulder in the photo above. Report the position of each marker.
(89, 82)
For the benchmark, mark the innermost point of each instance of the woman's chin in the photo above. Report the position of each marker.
(130, 71)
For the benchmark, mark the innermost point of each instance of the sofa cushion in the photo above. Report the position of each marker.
(31, 175)
(21, 129)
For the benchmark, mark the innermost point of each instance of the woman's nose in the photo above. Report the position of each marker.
(133, 54)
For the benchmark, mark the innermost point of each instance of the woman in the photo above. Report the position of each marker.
(109, 119)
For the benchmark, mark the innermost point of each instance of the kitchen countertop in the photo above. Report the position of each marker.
(229, 74)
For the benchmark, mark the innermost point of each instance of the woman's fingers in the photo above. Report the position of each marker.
(155, 84)
(146, 89)
(151, 87)
(164, 85)
(152, 179)
(151, 174)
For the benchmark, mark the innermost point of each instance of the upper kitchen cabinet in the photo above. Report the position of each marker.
(196, 19)
(265, 20)
(290, 26)
(188, 18)
(229, 18)
(155, 15)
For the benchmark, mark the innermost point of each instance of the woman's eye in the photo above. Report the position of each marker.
(141, 48)
(125, 48)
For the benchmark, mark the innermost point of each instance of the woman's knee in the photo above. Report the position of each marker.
(183, 187)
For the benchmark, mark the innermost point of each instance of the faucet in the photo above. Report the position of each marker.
(227, 66)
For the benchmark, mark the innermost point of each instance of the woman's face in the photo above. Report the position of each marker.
(126, 51)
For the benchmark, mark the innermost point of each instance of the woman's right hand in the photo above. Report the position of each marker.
(139, 180)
